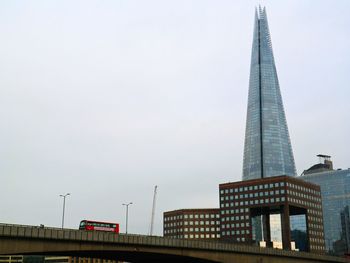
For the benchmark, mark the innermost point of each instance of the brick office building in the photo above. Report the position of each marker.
(263, 210)
(200, 224)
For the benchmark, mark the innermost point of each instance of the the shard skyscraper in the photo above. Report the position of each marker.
(267, 147)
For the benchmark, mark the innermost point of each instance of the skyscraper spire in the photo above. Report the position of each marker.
(267, 147)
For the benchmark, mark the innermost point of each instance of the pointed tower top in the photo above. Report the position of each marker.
(261, 13)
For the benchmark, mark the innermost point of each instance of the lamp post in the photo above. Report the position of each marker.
(126, 217)
(64, 206)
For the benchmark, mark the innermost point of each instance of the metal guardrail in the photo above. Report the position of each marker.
(50, 233)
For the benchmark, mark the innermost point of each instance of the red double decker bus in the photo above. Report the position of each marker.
(99, 226)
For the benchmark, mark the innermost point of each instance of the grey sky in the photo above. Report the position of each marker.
(105, 99)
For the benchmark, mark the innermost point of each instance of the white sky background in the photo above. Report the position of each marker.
(105, 99)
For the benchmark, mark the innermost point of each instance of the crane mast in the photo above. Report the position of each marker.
(153, 210)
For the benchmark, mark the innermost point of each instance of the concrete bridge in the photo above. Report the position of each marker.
(32, 240)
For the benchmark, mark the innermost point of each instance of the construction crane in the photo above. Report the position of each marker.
(153, 210)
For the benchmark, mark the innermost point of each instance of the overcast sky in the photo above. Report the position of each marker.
(105, 99)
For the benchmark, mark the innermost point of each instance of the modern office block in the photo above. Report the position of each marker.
(335, 191)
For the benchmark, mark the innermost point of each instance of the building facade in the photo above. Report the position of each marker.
(335, 191)
(266, 210)
(200, 224)
(267, 147)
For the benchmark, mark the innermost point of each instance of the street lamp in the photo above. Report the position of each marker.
(64, 206)
(126, 218)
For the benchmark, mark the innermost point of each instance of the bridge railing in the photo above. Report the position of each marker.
(51, 233)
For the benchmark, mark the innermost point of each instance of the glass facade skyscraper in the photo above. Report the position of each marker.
(335, 191)
(267, 147)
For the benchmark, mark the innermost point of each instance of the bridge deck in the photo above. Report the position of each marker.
(32, 233)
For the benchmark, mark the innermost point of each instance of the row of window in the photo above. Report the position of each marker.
(191, 216)
(253, 202)
(316, 233)
(315, 226)
(303, 189)
(315, 212)
(236, 225)
(193, 229)
(235, 232)
(306, 203)
(271, 185)
(202, 236)
(239, 239)
(196, 236)
(235, 218)
(234, 211)
(251, 188)
(191, 223)
(316, 240)
(316, 247)
(251, 195)
(315, 219)
(303, 195)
